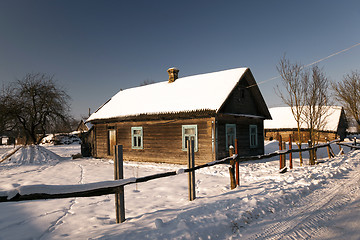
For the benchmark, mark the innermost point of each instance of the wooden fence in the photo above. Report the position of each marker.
(117, 186)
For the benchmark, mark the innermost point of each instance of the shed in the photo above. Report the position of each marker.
(83, 126)
(284, 124)
(153, 122)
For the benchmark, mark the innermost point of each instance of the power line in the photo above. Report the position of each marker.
(310, 64)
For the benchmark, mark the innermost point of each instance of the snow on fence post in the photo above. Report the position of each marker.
(191, 164)
(290, 154)
(237, 171)
(119, 174)
(232, 168)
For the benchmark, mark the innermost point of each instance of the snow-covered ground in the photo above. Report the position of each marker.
(321, 201)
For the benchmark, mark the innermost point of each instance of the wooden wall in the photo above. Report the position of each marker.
(162, 140)
(273, 134)
(242, 134)
(241, 101)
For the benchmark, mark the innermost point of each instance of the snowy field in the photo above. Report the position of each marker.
(306, 201)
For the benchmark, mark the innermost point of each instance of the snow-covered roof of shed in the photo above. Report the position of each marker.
(193, 93)
(282, 118)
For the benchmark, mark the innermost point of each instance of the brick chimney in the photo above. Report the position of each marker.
(173, 74)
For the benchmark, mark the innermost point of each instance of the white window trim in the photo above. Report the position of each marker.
(226, 134)
(184, 135)
(256, 136)
(138, 135)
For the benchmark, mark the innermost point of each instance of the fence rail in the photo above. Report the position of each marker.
(92, 191)
(26, 193)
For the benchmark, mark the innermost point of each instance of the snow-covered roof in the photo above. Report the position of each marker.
(193, 93)
(282, 118)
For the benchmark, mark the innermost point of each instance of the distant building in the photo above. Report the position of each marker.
(154, 122)
(83, 126)
(284, 124)
(4, 140)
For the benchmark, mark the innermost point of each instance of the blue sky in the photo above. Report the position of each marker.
(95, 48)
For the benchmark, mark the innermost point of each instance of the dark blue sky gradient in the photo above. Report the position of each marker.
(94, 48)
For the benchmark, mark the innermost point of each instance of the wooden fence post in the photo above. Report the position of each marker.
(232, 169)
(354, 142)
(191, 164)
(284, 156)
(328, 148)
(341, 150)
(290, 154)
(281, 156)
(237, 171)
(119, 174)
(311, 153)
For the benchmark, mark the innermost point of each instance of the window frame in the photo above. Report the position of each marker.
(255, 145)
(227, 133)
(184, 127)
(141, 135)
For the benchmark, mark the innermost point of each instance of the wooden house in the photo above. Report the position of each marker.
(283, 123)
(153, 122)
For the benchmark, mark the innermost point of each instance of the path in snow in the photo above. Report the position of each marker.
(66, 211)
(313, 216)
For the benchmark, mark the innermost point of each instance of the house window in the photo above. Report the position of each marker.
(253, 136)
(111, 140)
(230, 135)
(189, 132)
(137, 138)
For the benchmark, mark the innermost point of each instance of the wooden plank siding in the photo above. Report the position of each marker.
(273, 134)
(242, 134)
(241, 101)
(162, 140)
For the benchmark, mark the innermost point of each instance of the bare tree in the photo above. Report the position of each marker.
(347, 93)
(294, 96)
(36, 104)
(8, 124)
(316, 111)
(317, 99)
(307, 96)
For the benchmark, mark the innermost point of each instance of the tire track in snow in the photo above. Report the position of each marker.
(57, 223)
(309, 216)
